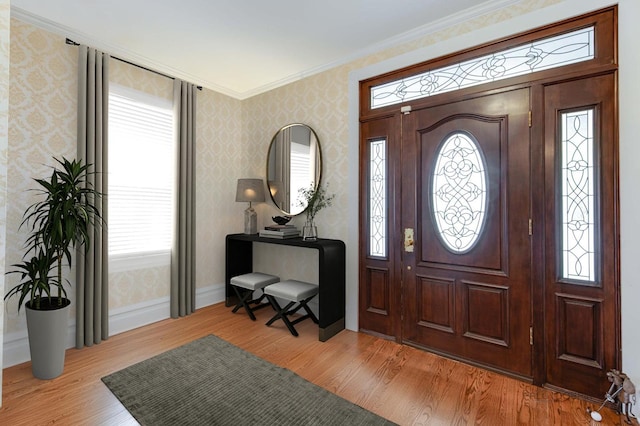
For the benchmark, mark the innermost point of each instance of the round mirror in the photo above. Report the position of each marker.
(294, 162)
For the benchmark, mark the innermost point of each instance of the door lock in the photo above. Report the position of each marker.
(408, 240)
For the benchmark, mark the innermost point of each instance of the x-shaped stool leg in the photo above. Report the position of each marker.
(243, 301)
(283, 313)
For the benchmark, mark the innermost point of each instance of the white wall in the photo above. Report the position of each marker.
(4, 125)
(629, 90)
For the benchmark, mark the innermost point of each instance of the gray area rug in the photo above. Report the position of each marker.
(212, 382)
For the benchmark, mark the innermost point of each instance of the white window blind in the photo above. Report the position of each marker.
(141, 173)
(300, 169)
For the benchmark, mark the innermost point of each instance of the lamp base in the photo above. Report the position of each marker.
(250, 221)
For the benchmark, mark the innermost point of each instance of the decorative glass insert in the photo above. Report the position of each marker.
(377, 198)
(552, 52)
(578, 194)
(459, 192)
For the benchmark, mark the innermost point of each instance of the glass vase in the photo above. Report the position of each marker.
(309, 231)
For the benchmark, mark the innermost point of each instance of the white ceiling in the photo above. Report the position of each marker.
(245, 47)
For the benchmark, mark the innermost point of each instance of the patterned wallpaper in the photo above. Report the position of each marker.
(232, 141)
(321, 101)
(220, 162)
(42, 124)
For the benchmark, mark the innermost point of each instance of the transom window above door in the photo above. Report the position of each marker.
(547, 53)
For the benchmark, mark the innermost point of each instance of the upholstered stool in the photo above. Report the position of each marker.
(244, 286)
(294, 292)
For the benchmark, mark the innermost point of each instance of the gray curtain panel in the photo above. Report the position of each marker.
(92, 274)
(183, 254)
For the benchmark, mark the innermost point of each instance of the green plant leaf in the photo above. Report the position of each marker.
(59, 222)
(314, 199)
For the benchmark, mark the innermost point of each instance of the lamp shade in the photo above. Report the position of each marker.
(250, 190)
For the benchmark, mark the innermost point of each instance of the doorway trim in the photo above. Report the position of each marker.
(528, 21)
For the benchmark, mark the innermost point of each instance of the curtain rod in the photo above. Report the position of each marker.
(73, 43)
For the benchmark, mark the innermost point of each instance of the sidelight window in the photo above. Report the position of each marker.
(578, 214)
(378, 198)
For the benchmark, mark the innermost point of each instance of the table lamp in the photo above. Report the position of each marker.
(251, 190)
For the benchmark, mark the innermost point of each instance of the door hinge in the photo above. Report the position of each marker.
(530, 227)
(531, 336)
(530, 118)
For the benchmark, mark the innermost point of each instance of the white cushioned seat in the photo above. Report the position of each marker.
(244, 285)
(298, 294)
(254, 280)
(292, 290)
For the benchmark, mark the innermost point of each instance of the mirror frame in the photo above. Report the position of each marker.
(319, 167)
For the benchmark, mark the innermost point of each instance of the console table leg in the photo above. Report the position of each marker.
(328, 332)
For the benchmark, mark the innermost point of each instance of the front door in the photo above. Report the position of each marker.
(466, 268)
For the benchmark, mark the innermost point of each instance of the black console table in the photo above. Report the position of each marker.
(331, 259)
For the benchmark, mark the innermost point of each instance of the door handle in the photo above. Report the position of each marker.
(408, 240)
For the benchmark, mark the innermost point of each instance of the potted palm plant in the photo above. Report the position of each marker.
(58, 223)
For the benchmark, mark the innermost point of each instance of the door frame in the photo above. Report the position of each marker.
(604, 62)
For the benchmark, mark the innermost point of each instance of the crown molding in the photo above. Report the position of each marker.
(117, 51)
(408, 36)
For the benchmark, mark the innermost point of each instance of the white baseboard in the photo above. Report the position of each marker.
(138, 315)
(209, 295)
(16, 345)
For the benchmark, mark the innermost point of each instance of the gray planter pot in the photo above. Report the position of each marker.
(47, 331)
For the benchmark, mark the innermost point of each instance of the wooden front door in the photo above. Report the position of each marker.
(466, 270)
(489, 214)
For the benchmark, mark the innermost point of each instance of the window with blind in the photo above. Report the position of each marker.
(141, 177)
(301, 171)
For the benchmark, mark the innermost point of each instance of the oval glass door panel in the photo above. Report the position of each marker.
(459, 192)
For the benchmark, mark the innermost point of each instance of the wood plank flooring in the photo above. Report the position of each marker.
(400, 383)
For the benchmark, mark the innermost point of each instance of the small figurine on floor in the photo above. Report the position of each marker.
(622, 393)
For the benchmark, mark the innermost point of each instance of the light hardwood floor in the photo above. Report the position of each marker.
(400, 383)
